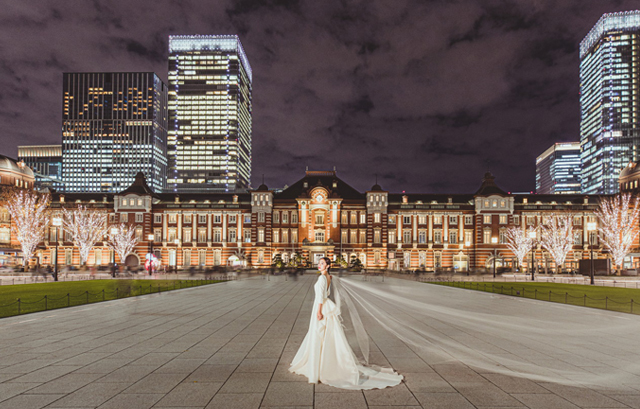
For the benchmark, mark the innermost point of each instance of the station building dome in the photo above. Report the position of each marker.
(14, 173)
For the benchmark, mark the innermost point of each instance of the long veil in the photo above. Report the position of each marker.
(354, 329)
(452, 331)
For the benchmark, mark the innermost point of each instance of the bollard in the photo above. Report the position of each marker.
(584, 304)
(103, 294)
(535, 294)
(606, 303)
(87, 294)
(566, 295)
(45, 303)
(632, 306)
(68, 300)
(549, 295)
(18, 306)
(116, 292)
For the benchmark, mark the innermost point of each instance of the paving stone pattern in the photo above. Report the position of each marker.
(229, 346)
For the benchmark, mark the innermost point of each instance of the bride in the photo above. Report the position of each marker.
(325, 354)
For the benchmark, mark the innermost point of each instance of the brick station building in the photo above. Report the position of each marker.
(321, 215)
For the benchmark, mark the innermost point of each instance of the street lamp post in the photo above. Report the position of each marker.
(150, 237)
(177, 243)
(533, 236)
(494, 240)
(114, 231)
(591, 227)
(467, 244)
(57, 222)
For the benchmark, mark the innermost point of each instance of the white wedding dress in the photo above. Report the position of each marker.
(325, 354)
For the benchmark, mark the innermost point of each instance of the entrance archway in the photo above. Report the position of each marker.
(132, 260)
(234, 261)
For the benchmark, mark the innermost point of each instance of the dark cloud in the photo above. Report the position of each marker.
(429, 95)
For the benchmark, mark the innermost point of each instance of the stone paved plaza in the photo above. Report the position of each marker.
(228, 345)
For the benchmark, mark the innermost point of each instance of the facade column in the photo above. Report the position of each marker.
(165, 227)
(224, 228)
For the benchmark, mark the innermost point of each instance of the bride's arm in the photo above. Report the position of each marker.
(319, 299)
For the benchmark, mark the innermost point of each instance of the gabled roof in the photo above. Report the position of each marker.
(139, 187)
(324, 179)
(489, 187)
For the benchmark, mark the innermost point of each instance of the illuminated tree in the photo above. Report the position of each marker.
(29, 218)
(86, 226)
(557, 237)
(519, 242)
(618, 225)
(122, 240)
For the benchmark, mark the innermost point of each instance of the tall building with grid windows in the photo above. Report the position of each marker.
(46, 163)
(558, 169)
(609, 100)
(114, 125)
(210, 114)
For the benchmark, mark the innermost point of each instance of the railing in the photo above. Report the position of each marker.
(612, 282)
(607, 303)
(48, 302)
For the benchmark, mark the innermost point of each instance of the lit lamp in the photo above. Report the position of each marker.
(177, 243)
(150, 237)
(532, 236)
(57, 222)
(114, 231)
(591, 227)
(494, 240)
(467, 244)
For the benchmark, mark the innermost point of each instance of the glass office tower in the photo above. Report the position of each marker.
(46, 163)
(114, 126)
(210, 114)
(558, 169)
(609, 70)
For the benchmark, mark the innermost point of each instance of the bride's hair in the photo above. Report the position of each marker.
(328, 261)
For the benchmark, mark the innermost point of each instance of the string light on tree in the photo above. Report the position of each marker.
(122, 239)
(520, 242)
(557, 237)
(86, 228)
(618, 225)
(29, 218)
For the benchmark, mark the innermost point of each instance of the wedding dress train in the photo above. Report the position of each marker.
(325, 354)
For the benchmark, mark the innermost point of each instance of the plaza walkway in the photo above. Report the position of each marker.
(228, 345)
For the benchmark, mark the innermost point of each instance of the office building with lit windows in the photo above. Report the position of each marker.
(558, 169)
(114, 125)
(609, 101)
(210, 114)
(46, 163)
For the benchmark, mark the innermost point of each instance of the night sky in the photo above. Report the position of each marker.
(429, 95)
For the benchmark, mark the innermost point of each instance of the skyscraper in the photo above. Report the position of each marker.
(114, 125)
(558, 169)
(210, 114)
(609, 100)
(46, 163)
